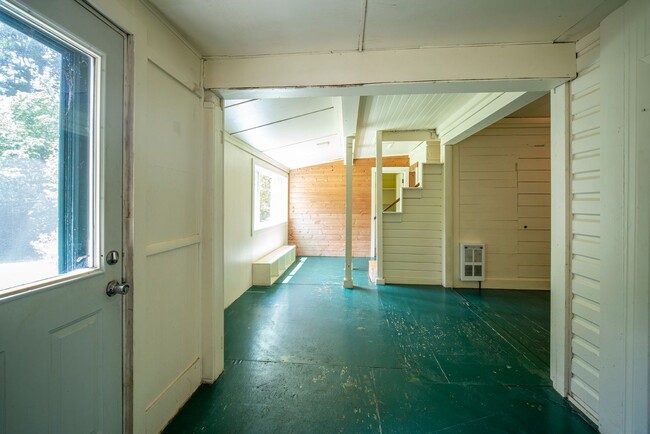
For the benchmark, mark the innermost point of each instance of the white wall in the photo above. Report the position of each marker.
(623, 364)
(241, 244)
(413, 237)
(625, 54)
(501, 179)
(419, 154)
(169, 278)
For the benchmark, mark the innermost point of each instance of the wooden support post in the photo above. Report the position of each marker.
(347, 283)
(560, 239)
(379, 212)
(449, 251)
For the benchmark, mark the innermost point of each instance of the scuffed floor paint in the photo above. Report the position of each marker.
(309, 356)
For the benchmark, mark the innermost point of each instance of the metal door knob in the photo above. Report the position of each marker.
(115, 287)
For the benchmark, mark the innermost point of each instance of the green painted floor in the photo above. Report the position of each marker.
(308, 356)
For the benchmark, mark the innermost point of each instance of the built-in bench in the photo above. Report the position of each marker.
(268, 268)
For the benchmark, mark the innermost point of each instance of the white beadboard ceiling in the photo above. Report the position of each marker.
(304, 131)
(403, 112)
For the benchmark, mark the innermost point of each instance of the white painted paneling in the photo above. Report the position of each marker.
(173, 160)
(413, 246)
(167, 144)
(585, 208)
(242, 246)
(625, 240)
(238, 200)
(503, 200)
(172, 286)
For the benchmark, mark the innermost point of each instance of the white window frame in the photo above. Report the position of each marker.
(279, 196)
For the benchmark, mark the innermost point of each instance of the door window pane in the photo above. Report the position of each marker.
(47, 165)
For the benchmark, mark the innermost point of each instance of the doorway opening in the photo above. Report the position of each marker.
(394, 180)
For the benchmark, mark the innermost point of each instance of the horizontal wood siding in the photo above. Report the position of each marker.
(503, 200)
(413, 238)
(317, 207)
(585, 227)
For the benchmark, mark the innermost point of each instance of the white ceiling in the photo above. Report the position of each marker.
(257, 27)
(403, 112)
(275, 123)
(303, 131)
(299, 132)
(296, 132)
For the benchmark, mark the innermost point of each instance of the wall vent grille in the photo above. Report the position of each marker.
(472, 262)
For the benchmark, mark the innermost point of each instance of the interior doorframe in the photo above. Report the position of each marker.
(128, 221)
(128, 232)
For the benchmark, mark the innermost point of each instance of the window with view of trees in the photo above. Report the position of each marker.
(270, 198)
(45, 154)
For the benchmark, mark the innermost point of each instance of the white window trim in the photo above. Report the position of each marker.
(261, 166)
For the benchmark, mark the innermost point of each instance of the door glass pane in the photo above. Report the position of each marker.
(47, 174)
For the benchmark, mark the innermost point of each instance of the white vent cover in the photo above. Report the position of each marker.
(472, 262)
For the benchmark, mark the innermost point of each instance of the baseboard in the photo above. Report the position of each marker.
(413, 281)
(164, 407)
(535, 284)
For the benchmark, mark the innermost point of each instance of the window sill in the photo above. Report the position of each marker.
(269, 226)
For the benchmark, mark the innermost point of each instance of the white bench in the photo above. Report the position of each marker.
(268, 268)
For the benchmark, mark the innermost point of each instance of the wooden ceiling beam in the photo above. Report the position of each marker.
(467, 68)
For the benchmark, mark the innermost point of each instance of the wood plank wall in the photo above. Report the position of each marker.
(502, 198)
(413, 238)
(317, 207)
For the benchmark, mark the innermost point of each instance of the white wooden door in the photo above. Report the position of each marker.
(61, 193)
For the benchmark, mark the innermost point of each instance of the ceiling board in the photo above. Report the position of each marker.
(405, 112)
(254, 27)
(308, 153)
(259, 27)
(422, 23)
(313, 126)
(259, 112)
